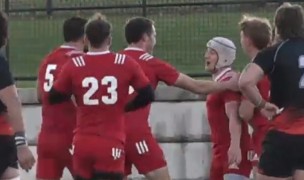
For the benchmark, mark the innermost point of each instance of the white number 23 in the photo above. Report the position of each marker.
(93, 84)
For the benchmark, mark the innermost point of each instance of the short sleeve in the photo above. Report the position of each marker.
(6, 78)
(165, 72)
(265, 59)
(138, 79)
(63, 82)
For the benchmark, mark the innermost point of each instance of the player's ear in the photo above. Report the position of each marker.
(145, 37)
(109, 40)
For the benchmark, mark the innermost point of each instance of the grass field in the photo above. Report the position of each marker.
(181, 36)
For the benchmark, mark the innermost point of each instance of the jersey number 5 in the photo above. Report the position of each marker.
(301, 65)
(49, 77)
(93, 84)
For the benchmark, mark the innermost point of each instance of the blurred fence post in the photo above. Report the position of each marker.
(144, 8)
(49, 7)
(6, 10)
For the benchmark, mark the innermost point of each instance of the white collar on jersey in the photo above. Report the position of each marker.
(223, 72)
(67, 47)
(133, 49)
(97, 53)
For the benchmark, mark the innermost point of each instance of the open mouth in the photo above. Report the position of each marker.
(207, 63)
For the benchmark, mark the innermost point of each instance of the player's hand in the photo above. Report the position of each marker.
(232, 84)
(234, 155)
(270, 110)
(25, 157)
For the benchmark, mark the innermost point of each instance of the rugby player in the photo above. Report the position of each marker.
(282, 157)
(100, 82)
(58, 121)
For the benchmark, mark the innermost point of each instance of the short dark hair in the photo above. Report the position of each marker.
(73, 29)
(257, 29)
(289, 21)
(97, 30)
(3, 28)
(136, 27)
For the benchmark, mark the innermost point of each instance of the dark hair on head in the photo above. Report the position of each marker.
(136, 27)
(257, 29)
(3, 28)
(97, 30)
(73, 29)
(289, 21)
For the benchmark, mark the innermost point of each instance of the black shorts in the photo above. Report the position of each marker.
(8, 153)
(282, 154)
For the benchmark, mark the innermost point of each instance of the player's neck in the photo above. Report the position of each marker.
(219, 71)
(137, 46)
(74, 45)
(252, 53)
(101, 49)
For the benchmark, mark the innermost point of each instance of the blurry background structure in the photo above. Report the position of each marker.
(183, 27)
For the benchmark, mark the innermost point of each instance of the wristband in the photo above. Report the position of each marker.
(261, 104)
(20, 139)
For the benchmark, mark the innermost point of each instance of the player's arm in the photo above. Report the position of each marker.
(171, 76)
(246, 110)
(10, 98)
(205, 86)
(141, 84)
(253, 73)
(235, 127)
(62, 87)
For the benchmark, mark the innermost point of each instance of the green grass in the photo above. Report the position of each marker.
(181, 36)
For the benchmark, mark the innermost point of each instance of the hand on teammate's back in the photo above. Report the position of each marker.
(25, 157)
(270, 110)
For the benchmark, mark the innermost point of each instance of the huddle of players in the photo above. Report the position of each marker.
(112, 132)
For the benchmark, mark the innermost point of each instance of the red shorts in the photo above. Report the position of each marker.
(143, 151)
(95, 154)
(54, 155)
(219, 164)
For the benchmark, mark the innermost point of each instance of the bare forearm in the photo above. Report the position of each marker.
(14, 112)
(235, 129)
(10, 98)
(206, 87)
(252, 93)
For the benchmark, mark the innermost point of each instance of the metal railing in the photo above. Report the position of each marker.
(183, 27)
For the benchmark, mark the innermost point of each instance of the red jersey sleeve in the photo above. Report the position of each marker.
(165, 72)
(64, 81)
(138, 79)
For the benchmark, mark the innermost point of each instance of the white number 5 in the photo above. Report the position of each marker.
(301, 65)
(49, 77)
(93, 84)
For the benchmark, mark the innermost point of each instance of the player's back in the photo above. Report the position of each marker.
(59, 117)
(287, 85)
(287, 76)
(100, 82)
(216, 113)
(157, 71)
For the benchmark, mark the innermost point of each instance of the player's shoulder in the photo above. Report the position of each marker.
(228, 75)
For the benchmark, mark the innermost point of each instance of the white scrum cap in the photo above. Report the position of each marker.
(225, 49)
